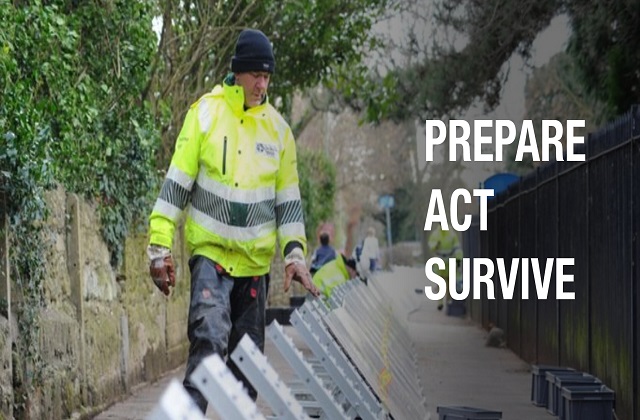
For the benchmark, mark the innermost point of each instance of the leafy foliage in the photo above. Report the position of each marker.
(604, 44)
(90, 97)
(72, 111)
(317, 188)
(555, 91)
(79, 72)
(117, 47)
(311, 41)
(455, 75)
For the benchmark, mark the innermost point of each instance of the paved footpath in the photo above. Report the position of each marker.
(456, 369)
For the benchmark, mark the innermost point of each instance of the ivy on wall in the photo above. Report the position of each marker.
(75, 94)
(71, 81)
(317, 188)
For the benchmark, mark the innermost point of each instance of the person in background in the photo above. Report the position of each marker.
(370, 255)
(234, 167)
(323, 254)
(445, 244)
(334, 273)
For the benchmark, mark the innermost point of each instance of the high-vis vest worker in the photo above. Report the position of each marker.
(331, 275)
(237, 169)
(445, 244)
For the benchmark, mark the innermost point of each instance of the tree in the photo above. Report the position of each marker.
(456, 75)
(198, 37)
(87, 90)
(317, 188)
(604, 44)
(72, 113)
(555, 91)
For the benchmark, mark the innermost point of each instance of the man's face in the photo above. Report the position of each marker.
(255, 84)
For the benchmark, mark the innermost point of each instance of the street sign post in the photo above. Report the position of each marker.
(387, 202)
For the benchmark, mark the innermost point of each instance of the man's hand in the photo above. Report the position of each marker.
(163, 273)
(296, 269)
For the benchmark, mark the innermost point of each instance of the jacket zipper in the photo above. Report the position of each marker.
(224, 157)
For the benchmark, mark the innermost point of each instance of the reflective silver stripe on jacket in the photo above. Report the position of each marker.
(232, 213)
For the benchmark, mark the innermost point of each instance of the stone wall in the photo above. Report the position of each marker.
(102, 331)
(6, 378)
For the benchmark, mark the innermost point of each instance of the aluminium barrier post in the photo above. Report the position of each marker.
(175, 404)
(342, 372)
(304, 372)
(366, 327)
(263, 377)
(223, 391)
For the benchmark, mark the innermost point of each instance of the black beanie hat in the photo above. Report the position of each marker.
(253, 53)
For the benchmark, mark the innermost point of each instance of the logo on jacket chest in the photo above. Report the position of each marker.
(267, 149)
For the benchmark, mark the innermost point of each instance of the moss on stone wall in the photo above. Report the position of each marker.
(114, 336)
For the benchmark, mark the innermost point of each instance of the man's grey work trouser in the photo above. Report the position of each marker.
(222, 310)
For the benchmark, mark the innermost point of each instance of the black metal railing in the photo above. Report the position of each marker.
(589, 211)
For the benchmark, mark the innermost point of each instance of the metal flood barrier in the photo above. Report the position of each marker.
(363, 365)
(372, 336)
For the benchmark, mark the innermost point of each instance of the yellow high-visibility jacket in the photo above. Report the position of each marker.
(237, 170)
(331, 275)
(445, 244)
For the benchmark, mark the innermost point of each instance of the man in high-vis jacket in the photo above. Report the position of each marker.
(235, 165)
(445, 244)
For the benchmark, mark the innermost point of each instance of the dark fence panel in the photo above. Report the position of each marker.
(528, 233)
(512, 250)
(574, 231)
(471, 248)
(546, 247)
(635, 285)
(490, 311)
(610, 260)
(502, 251)
(589, 211)
(484, 252)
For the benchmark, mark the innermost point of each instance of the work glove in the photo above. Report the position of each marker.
(296, 269)
(161, 268)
